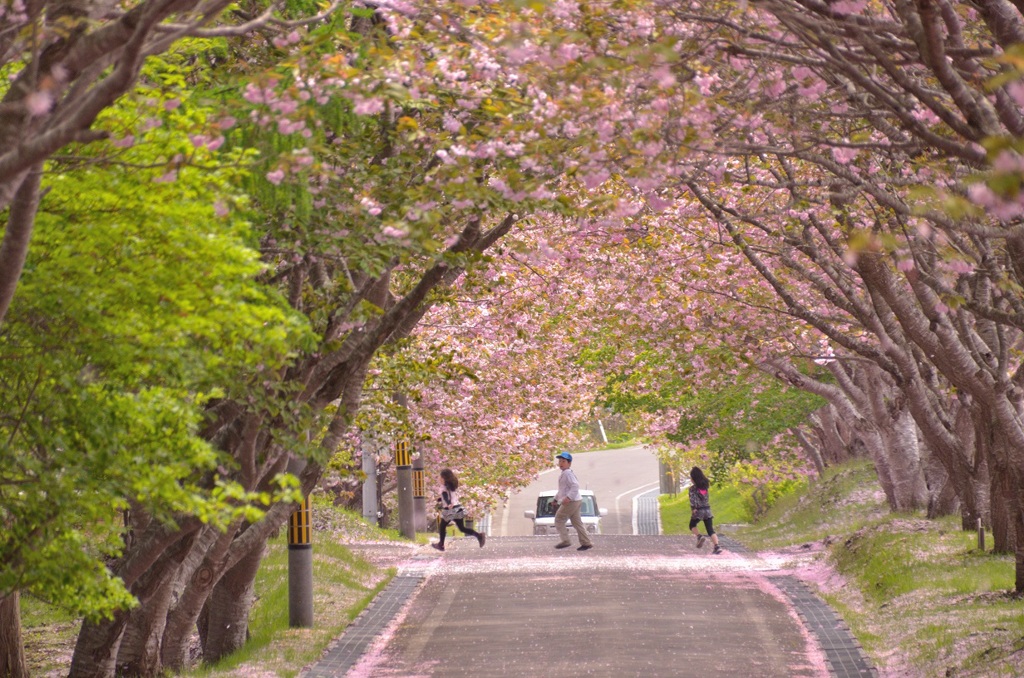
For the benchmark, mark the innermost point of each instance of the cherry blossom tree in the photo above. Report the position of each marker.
(842, 144)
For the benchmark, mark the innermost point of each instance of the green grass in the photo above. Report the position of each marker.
(343, 585)
(620, 444)
(339, 594)
(727, 505)
(888, 561)
(48, 634)
(35, 612)
(843, 501)
(615, 442)
(954, 601)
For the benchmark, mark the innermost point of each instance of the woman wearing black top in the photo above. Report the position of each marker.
(700, 508)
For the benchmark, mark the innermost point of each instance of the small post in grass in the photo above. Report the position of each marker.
(300, 567)
(419, 494)
(981, 536)
(403, 470)
(667, 479)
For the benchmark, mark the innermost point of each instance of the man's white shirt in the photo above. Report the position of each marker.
(568, 487)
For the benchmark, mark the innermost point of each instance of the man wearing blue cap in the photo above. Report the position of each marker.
(569, 504)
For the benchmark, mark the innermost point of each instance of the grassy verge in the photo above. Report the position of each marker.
(49, 637)
(845, 500)
(615, 442)
(927, 588)
(343, 586)
(352, 562)
(917, 593)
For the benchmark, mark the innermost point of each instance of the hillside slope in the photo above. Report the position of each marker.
(918, 594)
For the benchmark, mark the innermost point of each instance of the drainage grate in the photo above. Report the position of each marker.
(841, 649)
(346, 651)
(646, 513)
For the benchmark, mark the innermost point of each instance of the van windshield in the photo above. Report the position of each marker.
(546, 510)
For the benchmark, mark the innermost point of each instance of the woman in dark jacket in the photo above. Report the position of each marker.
(700, 508)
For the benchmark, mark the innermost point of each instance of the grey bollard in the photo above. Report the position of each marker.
(300, 568)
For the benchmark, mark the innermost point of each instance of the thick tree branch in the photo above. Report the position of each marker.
(14, 247)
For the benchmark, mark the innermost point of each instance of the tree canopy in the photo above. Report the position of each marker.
(240, 239)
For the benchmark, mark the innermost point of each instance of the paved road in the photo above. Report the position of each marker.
(632, 606)
(616, 476)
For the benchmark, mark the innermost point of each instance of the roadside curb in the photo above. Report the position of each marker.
(347, 649)
(843, 653)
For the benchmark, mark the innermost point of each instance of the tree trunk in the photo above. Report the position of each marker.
(877, 449)
(97, 646)
(139, 653)
(811, 451)
(226, 625)
(1003, 501)
(948, 426)
(884, 407)
(12, 649)
(909, 487)
(141, 647)
(975, 503)
(17, 234)
(942, 495)
(1018, 523)
(971, 470)
(181, 620)
(835, 443)
(99, 643)
(993, 444)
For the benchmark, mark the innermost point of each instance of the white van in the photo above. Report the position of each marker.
(544, 517)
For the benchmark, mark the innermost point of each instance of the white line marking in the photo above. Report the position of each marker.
(635, 489)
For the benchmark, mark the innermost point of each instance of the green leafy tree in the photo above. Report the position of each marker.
(139, 301)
